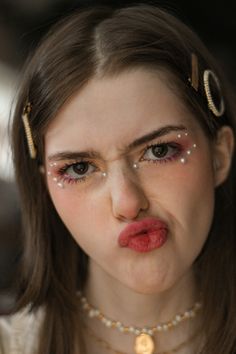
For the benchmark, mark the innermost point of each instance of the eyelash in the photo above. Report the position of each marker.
(178, 149)
(70, 180)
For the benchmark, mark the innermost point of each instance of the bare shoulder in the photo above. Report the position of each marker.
(19, 332)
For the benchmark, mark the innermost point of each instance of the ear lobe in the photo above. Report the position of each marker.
(223, 149)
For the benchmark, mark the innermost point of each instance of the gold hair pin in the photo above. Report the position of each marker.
(195, 72)
(25, 118)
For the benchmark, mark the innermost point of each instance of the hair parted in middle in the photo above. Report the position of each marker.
(102, 42)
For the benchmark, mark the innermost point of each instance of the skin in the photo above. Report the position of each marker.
(106, 116)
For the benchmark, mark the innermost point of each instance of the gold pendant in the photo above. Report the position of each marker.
(144, 344)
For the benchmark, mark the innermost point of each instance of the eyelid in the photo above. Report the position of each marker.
(161, 142)
(177, 147)
(66, 166)
(172, 141)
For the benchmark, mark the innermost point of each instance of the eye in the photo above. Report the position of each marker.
(161, 152)
(77, 171)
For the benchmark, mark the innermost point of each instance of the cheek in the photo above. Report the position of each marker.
(77, 209)
(185, 194)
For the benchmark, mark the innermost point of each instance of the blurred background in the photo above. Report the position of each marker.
(22, 24)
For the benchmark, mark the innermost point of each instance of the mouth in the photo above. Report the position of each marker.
(145, 235)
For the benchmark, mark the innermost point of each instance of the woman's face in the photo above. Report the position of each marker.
(122, 150)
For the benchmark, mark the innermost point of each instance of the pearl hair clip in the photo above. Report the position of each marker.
(208, 75)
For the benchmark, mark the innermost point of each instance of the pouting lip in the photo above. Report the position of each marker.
(140, 227)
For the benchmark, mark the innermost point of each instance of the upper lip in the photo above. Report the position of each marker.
(140, 227)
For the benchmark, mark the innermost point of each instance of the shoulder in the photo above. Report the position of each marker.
(19, 332)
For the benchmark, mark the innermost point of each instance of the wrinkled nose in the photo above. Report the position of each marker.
(127, 196)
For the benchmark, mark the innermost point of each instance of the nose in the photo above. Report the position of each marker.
(128, 198)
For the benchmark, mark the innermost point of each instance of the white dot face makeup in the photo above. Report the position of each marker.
(125, 150)
(69, 174)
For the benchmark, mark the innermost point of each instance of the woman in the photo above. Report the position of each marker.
(124, 153)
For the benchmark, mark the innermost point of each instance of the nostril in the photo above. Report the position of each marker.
(128, 200)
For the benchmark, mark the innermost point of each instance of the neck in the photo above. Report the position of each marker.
(121, 303)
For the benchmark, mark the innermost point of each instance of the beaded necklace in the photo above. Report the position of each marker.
(144, 342)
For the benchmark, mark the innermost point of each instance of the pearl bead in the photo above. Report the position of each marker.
(93, 312)
(108, 323)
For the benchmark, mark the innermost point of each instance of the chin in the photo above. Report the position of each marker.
(149, 285)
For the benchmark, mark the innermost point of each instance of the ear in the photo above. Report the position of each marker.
(223, 149)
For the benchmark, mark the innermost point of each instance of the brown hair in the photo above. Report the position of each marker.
(98, 42)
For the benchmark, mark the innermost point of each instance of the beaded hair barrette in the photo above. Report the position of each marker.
(194, 80)
(207, 76)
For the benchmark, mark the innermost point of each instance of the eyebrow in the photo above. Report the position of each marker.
(91, 154)
(156, 134)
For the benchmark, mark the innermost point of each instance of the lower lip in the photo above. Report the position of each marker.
(148, 241)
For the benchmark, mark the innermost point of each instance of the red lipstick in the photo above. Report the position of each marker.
(145, 235)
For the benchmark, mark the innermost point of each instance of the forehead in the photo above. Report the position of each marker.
(112, 111)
